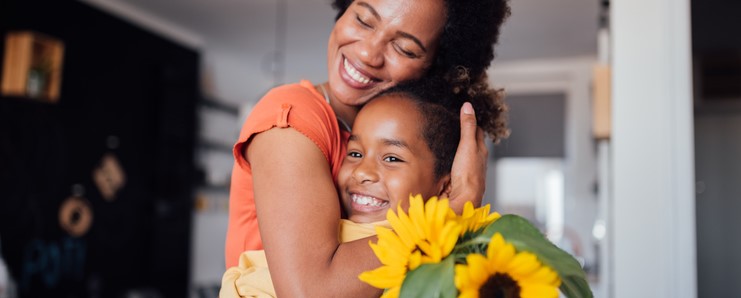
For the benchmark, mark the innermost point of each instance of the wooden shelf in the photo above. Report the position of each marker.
(33, 66)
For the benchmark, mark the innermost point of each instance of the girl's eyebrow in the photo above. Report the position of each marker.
(400, 33)
(386, 142)
(396, 143)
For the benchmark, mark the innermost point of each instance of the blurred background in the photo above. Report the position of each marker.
(117, 119)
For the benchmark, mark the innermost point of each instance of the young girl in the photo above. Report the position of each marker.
(400, 145)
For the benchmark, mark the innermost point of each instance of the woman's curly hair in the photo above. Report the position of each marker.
(465, 51)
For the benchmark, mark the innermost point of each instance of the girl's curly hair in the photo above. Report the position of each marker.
(465, 51)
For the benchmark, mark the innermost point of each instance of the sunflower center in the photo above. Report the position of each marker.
(500, 286)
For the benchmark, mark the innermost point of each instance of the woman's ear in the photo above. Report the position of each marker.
(444, 187)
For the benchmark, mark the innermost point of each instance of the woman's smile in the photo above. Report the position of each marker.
(355, 77)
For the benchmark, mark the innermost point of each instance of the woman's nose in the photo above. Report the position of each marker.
(365, 172)
(371, 51)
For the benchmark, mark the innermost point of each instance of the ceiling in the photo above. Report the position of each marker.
(537, 29)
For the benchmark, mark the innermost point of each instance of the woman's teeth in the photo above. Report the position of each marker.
(368, 201)
(355, 74)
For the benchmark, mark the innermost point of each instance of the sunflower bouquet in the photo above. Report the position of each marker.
(433, 252)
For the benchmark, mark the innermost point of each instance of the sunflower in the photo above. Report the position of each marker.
(472, 219)
(426, 235)
(505, 273)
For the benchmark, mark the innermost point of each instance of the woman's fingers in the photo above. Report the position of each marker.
(468, 123)
(468, 175)
(481, 141)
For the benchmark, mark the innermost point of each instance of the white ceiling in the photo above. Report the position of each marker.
(537, 28)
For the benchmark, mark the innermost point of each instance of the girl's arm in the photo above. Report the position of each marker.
(298, 212)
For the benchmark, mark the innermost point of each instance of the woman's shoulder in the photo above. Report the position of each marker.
(301, 93)
(296, 105)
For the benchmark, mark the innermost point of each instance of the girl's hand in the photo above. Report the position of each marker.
(468, 175)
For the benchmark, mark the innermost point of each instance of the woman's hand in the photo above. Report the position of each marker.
(468, 175)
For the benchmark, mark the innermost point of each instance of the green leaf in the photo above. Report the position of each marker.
(431, 281)
(525, 237)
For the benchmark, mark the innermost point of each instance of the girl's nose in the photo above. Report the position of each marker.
(365, 172)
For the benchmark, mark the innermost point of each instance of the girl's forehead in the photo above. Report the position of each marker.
(392, 107)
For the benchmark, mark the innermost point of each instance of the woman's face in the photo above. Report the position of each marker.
(387, 160)
(378, 43)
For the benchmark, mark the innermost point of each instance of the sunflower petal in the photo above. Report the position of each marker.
(400, 228)
(392, 292)
(417, 215)
(384, 277)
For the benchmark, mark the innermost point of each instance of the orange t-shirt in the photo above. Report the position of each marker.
(300, 107)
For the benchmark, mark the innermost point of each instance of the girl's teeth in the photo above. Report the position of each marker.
(355, 74)
(368, 201)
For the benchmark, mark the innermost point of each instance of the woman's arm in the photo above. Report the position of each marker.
(468, 175)
(298, 212)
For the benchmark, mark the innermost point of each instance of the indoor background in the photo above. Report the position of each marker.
(115, 151)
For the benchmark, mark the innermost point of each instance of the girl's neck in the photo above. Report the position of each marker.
(345, 113)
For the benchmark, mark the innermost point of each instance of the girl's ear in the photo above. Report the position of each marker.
(444, 187)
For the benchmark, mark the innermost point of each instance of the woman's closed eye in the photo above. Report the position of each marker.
(361, 22)
(405, 52)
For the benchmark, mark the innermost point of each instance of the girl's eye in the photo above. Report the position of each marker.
(363, 23)
(392, 159)
(354, 154)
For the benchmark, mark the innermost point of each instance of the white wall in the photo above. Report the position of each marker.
(242, 71)
(572, 77)
(653, 183)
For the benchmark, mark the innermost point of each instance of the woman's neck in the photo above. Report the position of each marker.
(345, 113)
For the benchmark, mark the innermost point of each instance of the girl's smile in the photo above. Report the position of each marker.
(387, 160)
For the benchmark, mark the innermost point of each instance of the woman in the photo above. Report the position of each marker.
(289, 150)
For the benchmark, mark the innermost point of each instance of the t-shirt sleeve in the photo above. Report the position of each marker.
(289, 106)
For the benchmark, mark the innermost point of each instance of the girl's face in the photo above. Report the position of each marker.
(387, 160)
(378, 43)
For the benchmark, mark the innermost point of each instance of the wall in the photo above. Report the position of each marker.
(571, 77)
(653, 213)
(715, 27)
(125, 92)
(718, 166)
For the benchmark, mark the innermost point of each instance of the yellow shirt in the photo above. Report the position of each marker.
(251, 278)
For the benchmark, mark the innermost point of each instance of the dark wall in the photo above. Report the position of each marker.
(124, 91)
(716, 45)
(716, 51)
(538, 122)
